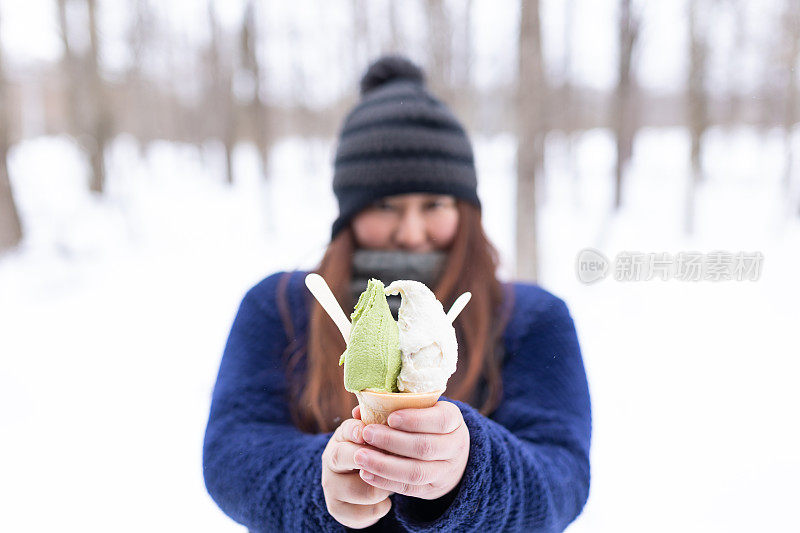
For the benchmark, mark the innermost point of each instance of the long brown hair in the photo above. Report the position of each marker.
(319, 401)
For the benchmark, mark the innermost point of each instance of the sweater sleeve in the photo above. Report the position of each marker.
(261, 470)
(528, 466)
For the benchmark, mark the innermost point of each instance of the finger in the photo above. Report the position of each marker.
(423, 446)
(396, 468)
(357, 516)
(349, 430)
(357, 412)
(444, 417)
(339, 457)
(417, 491)
(350, 488)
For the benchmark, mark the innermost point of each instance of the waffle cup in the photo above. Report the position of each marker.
(377, 406)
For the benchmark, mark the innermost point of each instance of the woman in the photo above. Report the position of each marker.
(507, 449)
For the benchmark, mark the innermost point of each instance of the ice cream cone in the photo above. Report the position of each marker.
(377, 406)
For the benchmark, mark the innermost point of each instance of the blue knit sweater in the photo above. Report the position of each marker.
(528, 466)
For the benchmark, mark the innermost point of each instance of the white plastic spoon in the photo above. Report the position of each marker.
(319, 288)
(458, 306)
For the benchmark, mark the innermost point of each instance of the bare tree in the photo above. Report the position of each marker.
(71, 72)
(465, 62)
(362, 48)
(791, 54)
(257, 110)
(530, 136)
(735, 52)
(440, 44)
(624, 111)
(88, 111)
(462, 93)
(697, 99)
(10, 227)
(220, 91)
(298, 73)
(395, 40)
(138, 38)
(101, 112)
(569, 114)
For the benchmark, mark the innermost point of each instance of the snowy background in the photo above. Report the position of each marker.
(115, 309)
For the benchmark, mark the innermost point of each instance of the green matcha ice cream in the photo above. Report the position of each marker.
(372, 358)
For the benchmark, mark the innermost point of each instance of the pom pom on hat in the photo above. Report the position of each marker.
(390, 68)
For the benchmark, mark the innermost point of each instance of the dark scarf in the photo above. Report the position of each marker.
(391, 265)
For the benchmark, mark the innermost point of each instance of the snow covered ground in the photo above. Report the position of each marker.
(115, 311)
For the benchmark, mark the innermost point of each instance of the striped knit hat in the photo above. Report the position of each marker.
(399, 139)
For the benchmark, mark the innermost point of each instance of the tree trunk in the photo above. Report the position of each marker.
(697, 107)
(735, 105)
(395, 41)
(698, 101)
(360, 36)
(569, 115)
(465, 70)
(71, 73)
(530, 137)
(220, 92)
(624, 119)
(440, 33)
(139, 39)
(257, 110)
(463, 95)
(101, 113)
(791, 53)
(10, 227)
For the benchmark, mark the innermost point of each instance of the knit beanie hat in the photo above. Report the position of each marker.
(399, 139)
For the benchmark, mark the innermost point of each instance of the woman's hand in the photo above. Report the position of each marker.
(428, 451)
(351, 501)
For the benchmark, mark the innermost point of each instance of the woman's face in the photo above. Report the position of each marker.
(415, 222)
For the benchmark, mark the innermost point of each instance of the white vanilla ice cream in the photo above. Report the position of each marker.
(427, 338)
